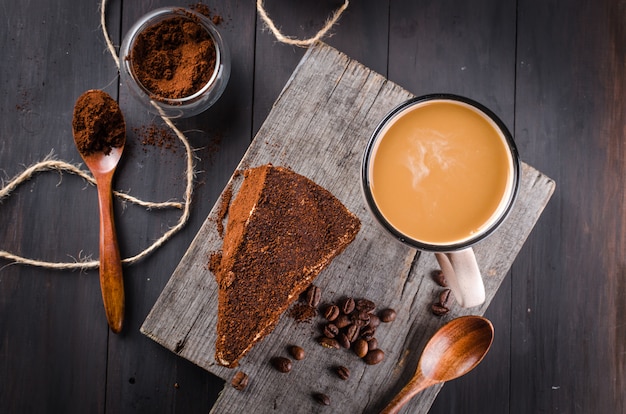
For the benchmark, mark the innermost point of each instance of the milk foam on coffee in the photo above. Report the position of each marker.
(425, 148)
(441, 172)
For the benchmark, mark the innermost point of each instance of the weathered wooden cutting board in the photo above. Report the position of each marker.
(318, 127)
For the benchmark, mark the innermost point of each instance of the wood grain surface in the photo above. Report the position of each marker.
(319, 127)
(552, 70)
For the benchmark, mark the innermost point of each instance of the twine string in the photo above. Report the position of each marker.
(107, 38)
(188, 191)
(49, 163)
(300, 42)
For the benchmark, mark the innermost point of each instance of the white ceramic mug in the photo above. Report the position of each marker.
(440, 173)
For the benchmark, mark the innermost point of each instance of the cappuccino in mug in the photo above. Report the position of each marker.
(440, 172)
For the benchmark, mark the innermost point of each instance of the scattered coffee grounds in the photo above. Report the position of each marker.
(214, 145)
(98, 123)
(302, 312)
(306, 309)
(174, 58)
(25, 104)
(215, 258)
(153, 135)
(204, 10)
(224, 203)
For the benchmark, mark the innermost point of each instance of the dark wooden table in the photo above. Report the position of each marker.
(554, 71)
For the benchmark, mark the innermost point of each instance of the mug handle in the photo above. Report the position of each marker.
(463, 276)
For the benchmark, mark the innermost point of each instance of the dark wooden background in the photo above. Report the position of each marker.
(553, 70)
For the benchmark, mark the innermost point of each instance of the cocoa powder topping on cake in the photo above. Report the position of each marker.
(282, 230)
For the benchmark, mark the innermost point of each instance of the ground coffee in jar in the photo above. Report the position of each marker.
(174, 58)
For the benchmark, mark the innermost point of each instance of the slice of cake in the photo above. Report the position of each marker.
(282, 230)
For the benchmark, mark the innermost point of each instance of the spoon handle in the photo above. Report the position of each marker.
(111, 278)
(417, 384)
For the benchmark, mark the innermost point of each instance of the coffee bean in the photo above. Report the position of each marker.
(438, 309)
(281, 364)
(364, 316)
(240, 381)
(368, 332)
(313, 296)
(358, 322)
(365, 305)
(374, 357)
(360, 347)
(374, 321)
(445, 297)
(439, 278)
(330, 343)
(352, 332)
(387, 315)
(330, 330)
(297, 352)
(351, 324)
(347, 305)
(360, 318)
(342, 321)
(343, 372)
(343, 340)
(331, 313)
(321, 399)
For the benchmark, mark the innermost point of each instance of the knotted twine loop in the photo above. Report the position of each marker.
(304, 42)
(51, 164)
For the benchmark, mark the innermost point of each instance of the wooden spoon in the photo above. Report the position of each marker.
(454, 350)
(100, 134)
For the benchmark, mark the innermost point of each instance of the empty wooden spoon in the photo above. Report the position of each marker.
(100, 134)
(454, 350)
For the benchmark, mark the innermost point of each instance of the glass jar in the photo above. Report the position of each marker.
(179, 107)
